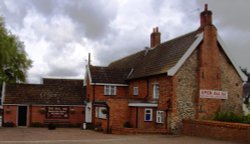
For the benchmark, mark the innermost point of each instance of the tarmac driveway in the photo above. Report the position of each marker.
(77, 136)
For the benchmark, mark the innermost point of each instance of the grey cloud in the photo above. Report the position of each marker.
(63, 72)
(229, 12)
(14, 12)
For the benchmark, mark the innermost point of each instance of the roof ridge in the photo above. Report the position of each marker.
(180, 36)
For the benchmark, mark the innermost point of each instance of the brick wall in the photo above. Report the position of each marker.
(96, 92)
(119, 112)
(218, 130)
(35, 114)
(10, 114)
(209, 70)
(145, 87)
(142, 87)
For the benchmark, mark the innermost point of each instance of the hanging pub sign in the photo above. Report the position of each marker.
(57, 112)
(213, 94)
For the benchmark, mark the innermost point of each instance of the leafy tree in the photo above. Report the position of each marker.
(14, 62)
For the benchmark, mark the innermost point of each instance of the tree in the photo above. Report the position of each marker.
(14, 62)
(245, 71)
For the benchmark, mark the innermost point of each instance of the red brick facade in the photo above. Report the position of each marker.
(37, 114)
(218, 130)
(204, 64)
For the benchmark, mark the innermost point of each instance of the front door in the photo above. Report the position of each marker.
(22, 115)
(88, 113)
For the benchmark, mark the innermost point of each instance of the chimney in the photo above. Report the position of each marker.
(155, 37)
(205, 17)
(89, 59)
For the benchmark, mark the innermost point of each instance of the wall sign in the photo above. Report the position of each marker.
(57, 112)
(213, 94)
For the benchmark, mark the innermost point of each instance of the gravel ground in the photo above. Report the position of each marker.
(77, 136)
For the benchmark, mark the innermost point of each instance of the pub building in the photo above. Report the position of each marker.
(153, 90)
(57, 101)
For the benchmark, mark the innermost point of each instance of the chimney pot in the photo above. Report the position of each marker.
(205, 7)
(155, 37)
(205, 17)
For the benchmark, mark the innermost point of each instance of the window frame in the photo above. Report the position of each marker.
(160, 116)
(135, 90)
(99, 114)
(150, 114)
(110, 90)
(156, 91)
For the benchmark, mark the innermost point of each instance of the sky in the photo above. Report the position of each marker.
(59, 34)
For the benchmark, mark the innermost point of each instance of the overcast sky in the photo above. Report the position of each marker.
(59, 34)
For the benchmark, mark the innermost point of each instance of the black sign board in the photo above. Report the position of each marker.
(57, 112)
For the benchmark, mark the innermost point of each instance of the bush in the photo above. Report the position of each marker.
(36, 124)
(127, 125)
(51, 126)
(231, 117)
(8, 124)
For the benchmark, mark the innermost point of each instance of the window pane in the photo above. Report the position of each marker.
(148, 115)
(109, 90)
(156, 91)
(135, 91)
(160, 117)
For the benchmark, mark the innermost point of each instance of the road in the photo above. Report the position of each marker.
(77, 136)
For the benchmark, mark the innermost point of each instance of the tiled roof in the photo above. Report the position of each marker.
(156, 60)
(108, 75)
(44, 94)
(63, 81)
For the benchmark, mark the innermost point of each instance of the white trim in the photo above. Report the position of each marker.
(156, 91)
(190, 50)
(88, 112)
(108, 90)
(228, 54)
(103, 84)
(135, 91)
(160, 114)
(142, 105)
(151, 114)
(174, 69)
(89, 74)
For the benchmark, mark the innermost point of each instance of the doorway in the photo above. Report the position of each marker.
(22, 115)
(88, 113)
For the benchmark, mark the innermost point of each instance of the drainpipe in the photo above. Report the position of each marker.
(3, 92)
(147, 87)
(109, 131)
(30, 114)
(137, 116)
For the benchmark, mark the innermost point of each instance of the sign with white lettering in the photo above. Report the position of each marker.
(57, 112)
(213, 94)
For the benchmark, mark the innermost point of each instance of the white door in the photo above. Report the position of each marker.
(88, 113)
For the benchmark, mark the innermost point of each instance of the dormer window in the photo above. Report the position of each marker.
(156, 91)
(109, 90)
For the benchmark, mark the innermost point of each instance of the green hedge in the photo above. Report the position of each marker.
(232, 117)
